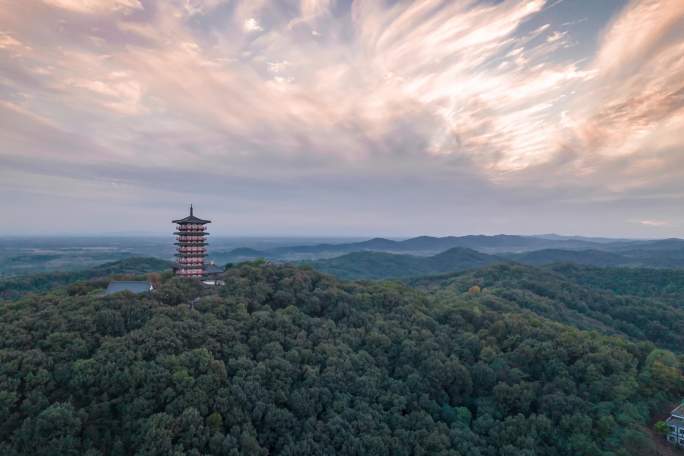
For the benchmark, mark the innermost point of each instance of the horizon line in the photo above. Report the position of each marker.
(326, 236)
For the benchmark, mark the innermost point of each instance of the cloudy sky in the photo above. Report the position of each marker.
(339, 117)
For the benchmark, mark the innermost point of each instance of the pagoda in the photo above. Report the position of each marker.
(192, 246)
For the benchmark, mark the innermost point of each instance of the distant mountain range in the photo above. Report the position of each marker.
(382, 265)
(451, 253)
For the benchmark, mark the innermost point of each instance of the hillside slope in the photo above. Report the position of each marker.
(284, 361)
(551, 294)
(644, 282)
(583, 257)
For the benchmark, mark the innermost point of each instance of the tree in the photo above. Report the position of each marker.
(661, 427)
(55, 431)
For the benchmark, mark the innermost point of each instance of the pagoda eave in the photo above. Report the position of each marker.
(191, 220)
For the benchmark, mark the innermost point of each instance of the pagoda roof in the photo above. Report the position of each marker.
(191, 219)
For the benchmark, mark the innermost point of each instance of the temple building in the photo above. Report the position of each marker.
(192, 246)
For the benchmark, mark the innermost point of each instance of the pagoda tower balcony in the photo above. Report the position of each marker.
(191, 239)
(191, 228)
(189, 242)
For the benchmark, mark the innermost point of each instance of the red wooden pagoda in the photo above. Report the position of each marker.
(192, 246)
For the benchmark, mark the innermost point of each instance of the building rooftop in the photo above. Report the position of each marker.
(192, 219)
(678, 411)
(213, 269)
(675, 422)
(132, 286)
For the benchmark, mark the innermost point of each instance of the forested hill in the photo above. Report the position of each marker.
(645, 282)
(607, 300)
(379, 265)
(13, 287)
(287, 361)
(583, 257)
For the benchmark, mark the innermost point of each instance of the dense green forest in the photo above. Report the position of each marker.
(283, 360)
(586, 257)
(646, 282)
(553, 295)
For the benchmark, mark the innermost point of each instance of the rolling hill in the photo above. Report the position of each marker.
(542, 250)
(644, 282)
(380, 265)
(583, 257)
(570, 295)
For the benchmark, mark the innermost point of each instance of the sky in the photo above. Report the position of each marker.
(343, 118)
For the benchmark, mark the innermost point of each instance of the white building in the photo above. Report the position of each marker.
(675, 424)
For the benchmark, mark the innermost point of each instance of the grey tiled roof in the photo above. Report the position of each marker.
(192, 219)
(675, 421)
(679, 411)
(213, 269)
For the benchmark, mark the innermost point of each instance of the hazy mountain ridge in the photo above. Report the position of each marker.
(24, 256)
(498, 244)
(383, 265)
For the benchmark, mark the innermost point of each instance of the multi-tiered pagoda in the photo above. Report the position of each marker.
(192, 246)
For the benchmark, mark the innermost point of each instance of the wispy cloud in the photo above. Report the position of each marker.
(655, 223)
(319, 89)
(96, 6)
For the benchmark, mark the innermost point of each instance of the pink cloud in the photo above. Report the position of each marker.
(384, 85)
(96, 6)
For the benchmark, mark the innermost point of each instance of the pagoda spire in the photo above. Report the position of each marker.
(190, 209)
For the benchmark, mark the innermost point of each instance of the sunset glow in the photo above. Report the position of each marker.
(347, 115)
